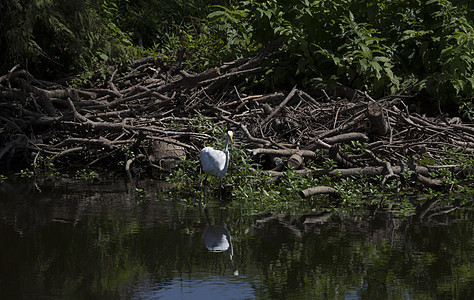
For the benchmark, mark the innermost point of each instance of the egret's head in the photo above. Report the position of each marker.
(231, 136)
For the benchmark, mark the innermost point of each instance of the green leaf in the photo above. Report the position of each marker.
(381, 59)
(216, 14)
(471, 80)
(103, 56)
(266, 13)
(459, 86)
(376, 66)
(366, 51)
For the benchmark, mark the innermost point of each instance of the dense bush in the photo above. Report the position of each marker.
(55, 38)
(60, 37)
(378, 46)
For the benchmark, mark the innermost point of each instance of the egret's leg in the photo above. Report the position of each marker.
(220, 189)
(204, 187)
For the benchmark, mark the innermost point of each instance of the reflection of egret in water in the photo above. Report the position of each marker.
(217, 239)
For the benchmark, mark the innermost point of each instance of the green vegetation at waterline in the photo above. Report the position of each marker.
(255, 189)
(261, 190)
(247, 184)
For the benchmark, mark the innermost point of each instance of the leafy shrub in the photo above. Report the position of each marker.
(378, 46)
(59, 37)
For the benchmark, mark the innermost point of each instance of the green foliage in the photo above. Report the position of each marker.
(364, 60)
(25, 173)
(232, 26)
(85, 175)
(45, 168)
(378, 46)
(203, 125)
(202, 51)
(41, 168)
(141, 195)
(3, 178)
(186, 177)
(329, 164)
(58, 37)
(439, 46)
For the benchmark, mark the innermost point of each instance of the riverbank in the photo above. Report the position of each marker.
(150, 119)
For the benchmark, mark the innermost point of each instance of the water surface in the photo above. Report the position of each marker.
(73, 240)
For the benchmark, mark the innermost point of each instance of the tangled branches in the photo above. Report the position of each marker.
(143, 117)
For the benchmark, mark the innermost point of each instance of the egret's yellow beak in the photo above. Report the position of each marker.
(231, 135)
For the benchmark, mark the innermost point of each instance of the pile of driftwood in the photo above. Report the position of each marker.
(143, 116)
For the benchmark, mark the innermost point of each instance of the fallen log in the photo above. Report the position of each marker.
(346, 137)
(295, 161)
(284, 152)
(318, 190)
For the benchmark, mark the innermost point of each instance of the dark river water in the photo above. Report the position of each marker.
(103, 241)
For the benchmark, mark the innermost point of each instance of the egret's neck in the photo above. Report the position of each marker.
(226, 152)
(226, 147)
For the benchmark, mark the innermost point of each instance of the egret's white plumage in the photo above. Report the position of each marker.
(215, 162)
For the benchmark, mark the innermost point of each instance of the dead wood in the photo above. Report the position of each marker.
(296, 161)
(284, 152)
(118, 123)
(347, 137)
(379, 124)
(280, 106)
(318, 190)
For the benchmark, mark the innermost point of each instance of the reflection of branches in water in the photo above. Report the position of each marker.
(285, 220)
(65, 203)
(372, 248)
(429, 209)
(425, 208)
(443, 211)
(380, 225)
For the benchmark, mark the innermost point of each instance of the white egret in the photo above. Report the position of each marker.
(215, 162)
